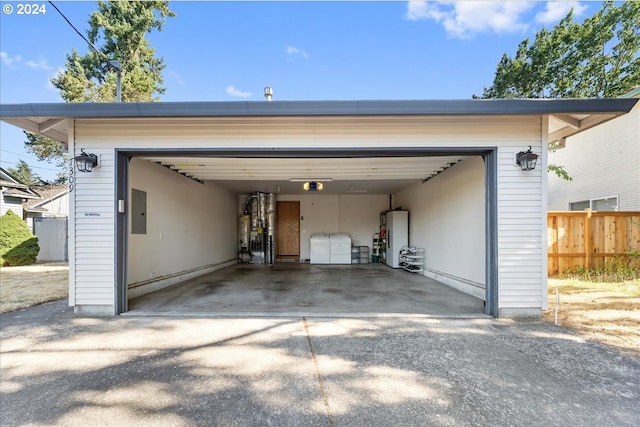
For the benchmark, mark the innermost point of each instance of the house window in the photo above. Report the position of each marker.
(579, 206)
(604, 204)
(608, 204)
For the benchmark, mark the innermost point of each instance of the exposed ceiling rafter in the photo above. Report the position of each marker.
(569, 120)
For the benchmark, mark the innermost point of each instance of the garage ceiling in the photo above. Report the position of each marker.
(364, 175)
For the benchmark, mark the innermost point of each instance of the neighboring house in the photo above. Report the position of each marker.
(53, 203)
(14, 194)
(604, 164)
(44, 208)
(164, 202)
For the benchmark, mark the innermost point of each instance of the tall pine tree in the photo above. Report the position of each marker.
(117, 31)
(24, 174)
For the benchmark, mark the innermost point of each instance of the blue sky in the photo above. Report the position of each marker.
(305, 50)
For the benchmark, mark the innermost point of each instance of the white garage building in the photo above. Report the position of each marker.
(164, 201)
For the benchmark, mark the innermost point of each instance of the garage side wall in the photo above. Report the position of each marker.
(447, 218)
(188, 230)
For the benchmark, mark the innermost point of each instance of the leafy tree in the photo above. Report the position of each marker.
(18, 246)
(595, 59)
(559, 170)
(117, 31)
(24, 174)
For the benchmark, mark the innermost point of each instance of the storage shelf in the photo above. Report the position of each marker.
(412, 259)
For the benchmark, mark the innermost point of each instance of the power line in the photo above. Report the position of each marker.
(112, 64)
(76, 30)
(20, 154)
(32, 167)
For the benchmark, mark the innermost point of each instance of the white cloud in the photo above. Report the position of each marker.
(235, 92)
(463, 18)
(295, 51)
(8, 60)
(177, 77)
(556, 10)
(40, 65)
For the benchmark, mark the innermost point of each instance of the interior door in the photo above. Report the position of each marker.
(288, 220)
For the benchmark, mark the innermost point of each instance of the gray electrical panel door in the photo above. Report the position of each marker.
(138, 211)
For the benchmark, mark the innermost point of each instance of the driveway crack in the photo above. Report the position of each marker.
(325, 400)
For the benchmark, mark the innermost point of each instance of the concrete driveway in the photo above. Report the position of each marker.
(61, 370)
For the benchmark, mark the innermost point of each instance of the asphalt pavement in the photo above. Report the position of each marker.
(57, 369)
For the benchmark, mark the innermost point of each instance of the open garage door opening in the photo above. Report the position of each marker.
(217, 232)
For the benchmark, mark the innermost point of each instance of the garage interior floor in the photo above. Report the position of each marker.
(292, 289)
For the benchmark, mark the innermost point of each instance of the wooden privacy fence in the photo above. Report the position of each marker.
(588, 239)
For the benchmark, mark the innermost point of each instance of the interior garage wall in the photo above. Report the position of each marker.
(447, 218)
(358, 215)
(191, 228)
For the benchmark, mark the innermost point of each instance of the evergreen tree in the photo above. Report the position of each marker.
(117, 31)
(24, 174)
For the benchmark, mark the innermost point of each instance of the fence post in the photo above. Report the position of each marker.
(587, 239)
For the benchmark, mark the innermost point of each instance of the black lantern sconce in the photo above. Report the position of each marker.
(86, 162)
(527, 160)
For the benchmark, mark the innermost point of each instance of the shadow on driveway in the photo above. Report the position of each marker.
(58, 369)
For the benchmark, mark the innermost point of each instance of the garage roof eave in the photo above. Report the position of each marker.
(318, 108)
(49, 118)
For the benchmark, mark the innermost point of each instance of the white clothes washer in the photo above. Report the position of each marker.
(340, 252)
(319, 249)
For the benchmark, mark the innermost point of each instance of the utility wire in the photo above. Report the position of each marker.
(20, 154)
(79, 33)
(7, 162)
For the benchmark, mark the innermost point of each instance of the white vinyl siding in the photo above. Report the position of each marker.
(325, 132)
(603, 162)
(11, 203)
(93, 198)
(521, 225)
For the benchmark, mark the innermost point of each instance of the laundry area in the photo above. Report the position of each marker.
(384, 240)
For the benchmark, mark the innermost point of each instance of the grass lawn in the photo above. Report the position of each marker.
(25, 286)
(604, 312)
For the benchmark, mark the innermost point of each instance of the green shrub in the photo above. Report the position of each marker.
(18, 246)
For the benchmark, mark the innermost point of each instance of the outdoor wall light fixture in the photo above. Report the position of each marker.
(86, 162)
(527, 160)
(312, 186)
